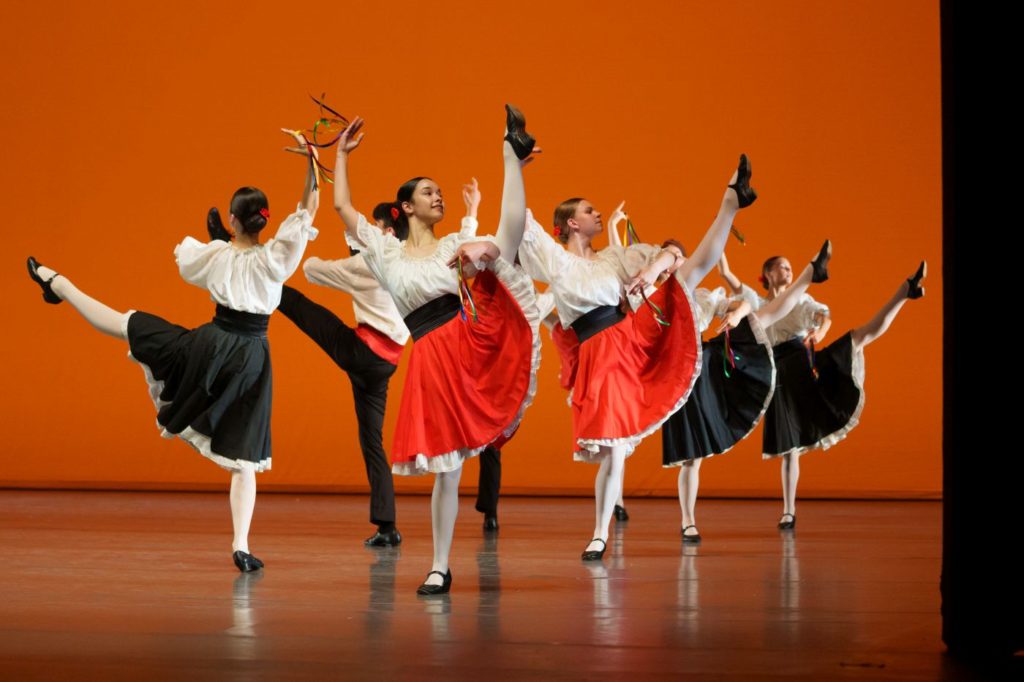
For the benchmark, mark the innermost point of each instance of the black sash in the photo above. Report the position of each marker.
(597, 320)
(432, 315)
(241, 323)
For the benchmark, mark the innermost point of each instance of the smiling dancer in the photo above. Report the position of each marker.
(476, 348)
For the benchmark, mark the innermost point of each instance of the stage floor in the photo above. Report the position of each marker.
(103, 585)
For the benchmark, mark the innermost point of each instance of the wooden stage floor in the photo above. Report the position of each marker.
(105, 585)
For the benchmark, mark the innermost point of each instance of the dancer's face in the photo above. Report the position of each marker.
(426, 203)
(586, 220)
(780, 274)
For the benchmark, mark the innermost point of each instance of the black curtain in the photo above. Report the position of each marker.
(983, 523)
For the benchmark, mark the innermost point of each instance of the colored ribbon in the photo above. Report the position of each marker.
(465, 295)
(730, 358)
(631, 236)
(335, 119)
(810, 360)
(659, 316)
(739, 235)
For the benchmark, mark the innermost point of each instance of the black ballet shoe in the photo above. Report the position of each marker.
(48, 295)
(690, 539)
(446, 584)
(820, 264)
(620, 513)
(522, 142)
(490, 523)
(595, 554)
(246, 562)
(744, 192)
(215, 227)
(915, 290)
(391, 538)
(787, 525)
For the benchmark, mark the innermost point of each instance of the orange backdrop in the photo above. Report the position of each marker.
(124, 124)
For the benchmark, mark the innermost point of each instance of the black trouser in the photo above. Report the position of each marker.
(490, 481)
(369, 374)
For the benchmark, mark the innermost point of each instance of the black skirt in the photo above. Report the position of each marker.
(811, 412)
(211, 385)
(723, 408)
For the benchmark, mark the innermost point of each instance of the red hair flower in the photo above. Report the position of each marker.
(394, 213)
(558, 231)
(265, 212)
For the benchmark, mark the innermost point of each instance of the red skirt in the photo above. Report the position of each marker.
(568, 346)
(634, 375)
(468, 383)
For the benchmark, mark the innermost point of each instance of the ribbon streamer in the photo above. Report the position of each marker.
(810, 360)
(327, 122)
(631, 236)
(739, 235)
(730, 358)
(465, 295)
(659, 316)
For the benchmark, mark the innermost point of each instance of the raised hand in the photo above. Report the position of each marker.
(471, 196)
(351, 137)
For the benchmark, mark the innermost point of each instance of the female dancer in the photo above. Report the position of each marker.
(212, 385)
(735, 385)
(631, 370)
(819, 395)
(369, 354)
(471, 375)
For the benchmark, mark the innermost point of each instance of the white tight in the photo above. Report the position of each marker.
(100, 316)
(444, 509)
(607, 487)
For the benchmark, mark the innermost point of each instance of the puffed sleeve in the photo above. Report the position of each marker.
(750, 296)
(718, 301)
(350, 275)
(468, 228)
(377, 248)
(541, 256)
(283, 253)
(709, 304)
(808, 310)
(636, 257)
(197, 260)
(545, 304)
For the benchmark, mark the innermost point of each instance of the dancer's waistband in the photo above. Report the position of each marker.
(432, 315)
(241, 323)
(380, 343)
(597, 320)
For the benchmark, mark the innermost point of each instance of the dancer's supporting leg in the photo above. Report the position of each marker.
(243, 501)
(369, 376)
(370, 397)
(689, 482)
(444, 509)
(607, 485)
(620, 512)
(489, 488)
(790, 477)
